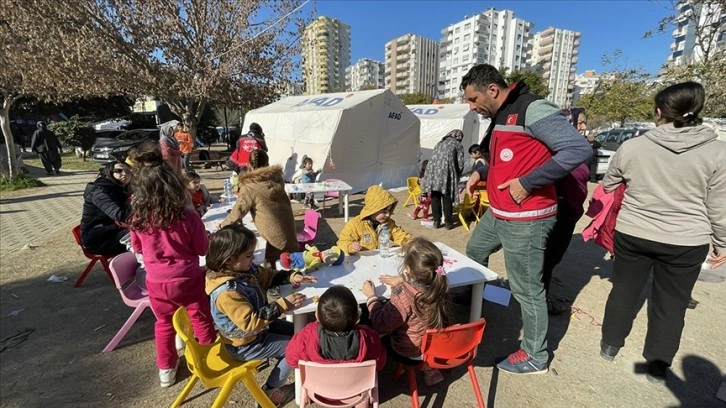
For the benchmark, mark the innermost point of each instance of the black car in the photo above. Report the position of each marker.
(110, 148)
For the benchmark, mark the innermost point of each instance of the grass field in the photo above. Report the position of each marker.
(70, 162)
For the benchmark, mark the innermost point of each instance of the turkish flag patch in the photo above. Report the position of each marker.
(512, 119)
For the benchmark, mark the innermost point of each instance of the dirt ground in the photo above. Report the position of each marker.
(60, 363)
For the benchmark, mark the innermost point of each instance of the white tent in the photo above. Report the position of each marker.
(362, 138)
(438, 120)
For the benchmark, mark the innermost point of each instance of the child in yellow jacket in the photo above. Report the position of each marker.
(361, 233)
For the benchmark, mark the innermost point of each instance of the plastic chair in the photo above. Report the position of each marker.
(330, 194)
(414, 190)
(76, 231)
(310, 229)
(123, 271)
(339, 385)
(449, 348)
(466, 205)
(215, 367)
(483, 202)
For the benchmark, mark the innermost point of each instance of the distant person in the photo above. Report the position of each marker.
(306, 175)
(256, 132)
(106, 210)
(186, 145)
(47, 146)
(336, 336)
(253, 140)
(594, 144)
(170, 148)
(442, 177)
(666, 223)
(201, 199)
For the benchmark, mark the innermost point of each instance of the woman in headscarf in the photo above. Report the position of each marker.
(442, 176)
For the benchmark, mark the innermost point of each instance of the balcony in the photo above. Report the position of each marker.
(402, 75)
(546, 50)
(543, 42)
(574, 60)
(402, 66)
(573, 70)
(576, 43)
(575, 51)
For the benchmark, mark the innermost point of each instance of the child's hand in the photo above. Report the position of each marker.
(300, 278)
(391, 280)
(355, 247)
(368, 288)
(295, 300)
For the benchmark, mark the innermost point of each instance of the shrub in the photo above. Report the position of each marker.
(18, 183)
(74, 132)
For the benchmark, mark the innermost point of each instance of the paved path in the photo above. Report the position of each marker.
(26, 218)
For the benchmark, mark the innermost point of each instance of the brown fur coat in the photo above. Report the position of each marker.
(262, 193)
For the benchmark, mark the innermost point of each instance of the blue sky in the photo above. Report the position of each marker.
(605, 25)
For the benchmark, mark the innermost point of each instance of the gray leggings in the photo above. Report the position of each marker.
(269, 344)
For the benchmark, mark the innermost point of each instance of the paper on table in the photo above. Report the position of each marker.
(497, 294)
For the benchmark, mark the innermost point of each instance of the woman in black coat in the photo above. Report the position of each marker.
(105, 209)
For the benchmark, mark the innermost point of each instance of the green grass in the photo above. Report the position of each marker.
(19, 183)
(70, 162)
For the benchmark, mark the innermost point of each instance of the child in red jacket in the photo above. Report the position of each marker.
(336, 337)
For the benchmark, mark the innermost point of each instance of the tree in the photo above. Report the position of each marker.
(707, 62)
(416, 99)
(449, 100)
(368, 87)
(623, 93)
(536, 84)
(45, 59)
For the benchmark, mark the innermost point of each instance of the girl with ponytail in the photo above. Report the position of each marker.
(419, 301)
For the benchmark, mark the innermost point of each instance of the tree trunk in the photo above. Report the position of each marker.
(9, 139)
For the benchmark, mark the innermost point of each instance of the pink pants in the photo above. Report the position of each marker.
(165, 299)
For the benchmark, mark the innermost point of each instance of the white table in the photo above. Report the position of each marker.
(460, 271)
(217, 213)
(324, 187)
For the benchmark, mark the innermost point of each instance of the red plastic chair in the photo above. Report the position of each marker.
(123, 269)
(310, 229)
(339, 385)
(449, 348)
(93, 257)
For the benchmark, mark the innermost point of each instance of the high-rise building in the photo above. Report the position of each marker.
(692, 17)
(325, 55)
(554, 56)
(585, 84)
(493, 37)
(364, 73)
(411, 62)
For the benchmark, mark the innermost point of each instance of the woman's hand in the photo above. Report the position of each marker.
(391, 280)
(716, 260)
(295, 300)
(300, 278)
(355, 247)
(368, 288)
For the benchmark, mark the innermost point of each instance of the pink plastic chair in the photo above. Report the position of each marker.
(123, 269)
(339, 385)
(331, 194)
(310, 229)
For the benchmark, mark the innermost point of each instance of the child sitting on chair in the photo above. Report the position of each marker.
(361, 232)
(336, 336)
(201, 199)
(306, 175)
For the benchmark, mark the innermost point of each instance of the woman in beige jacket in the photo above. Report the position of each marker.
(262, 192)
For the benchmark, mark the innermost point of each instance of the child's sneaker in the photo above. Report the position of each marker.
(281, 395)
(168, 376)
(432, 376)
(180, 345)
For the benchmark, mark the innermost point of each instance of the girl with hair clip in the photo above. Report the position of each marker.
(249, 325)
(666, 223)
(170, 235)
(419, 301)
(262, 192)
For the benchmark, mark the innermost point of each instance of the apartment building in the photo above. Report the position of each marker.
(325, 55)
(366, 73)
(494, 37)
(554, 56)
(411, 65)
(687, 46)
(584, 85)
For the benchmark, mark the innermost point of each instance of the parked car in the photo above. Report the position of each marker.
(603, 161)
(102, 134)
(612, 139)
(109, 147)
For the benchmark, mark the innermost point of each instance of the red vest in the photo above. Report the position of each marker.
(514, 153)
(246, 145)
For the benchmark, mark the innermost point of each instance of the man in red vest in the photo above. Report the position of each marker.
(531, 145)
(253, 140)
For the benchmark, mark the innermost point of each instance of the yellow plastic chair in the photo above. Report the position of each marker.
(414, 190)
(483, 202)
(466, 205)
(215, 367)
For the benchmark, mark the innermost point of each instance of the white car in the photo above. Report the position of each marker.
(603, 161)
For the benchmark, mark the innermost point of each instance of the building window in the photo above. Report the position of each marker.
(456, 40)
(467, 37)
(467, 26)
(456, 50)
(456, 31)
